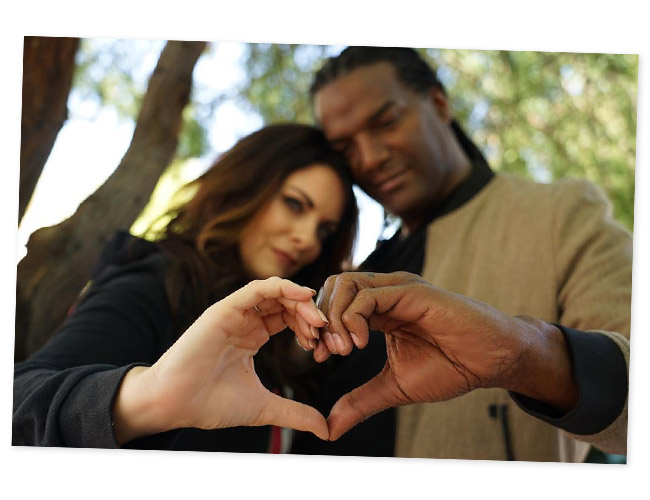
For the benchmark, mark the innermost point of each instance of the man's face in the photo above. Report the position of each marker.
(398, 142)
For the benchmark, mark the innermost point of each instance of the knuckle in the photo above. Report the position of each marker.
(406, 276)
(347, 317)
(329, 282)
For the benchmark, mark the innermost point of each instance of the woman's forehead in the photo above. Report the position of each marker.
(322, 187)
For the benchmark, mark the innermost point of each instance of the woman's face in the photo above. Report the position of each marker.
(287, 233)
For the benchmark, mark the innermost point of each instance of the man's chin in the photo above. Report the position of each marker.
(395, 203)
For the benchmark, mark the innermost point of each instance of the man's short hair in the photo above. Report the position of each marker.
(411, 69)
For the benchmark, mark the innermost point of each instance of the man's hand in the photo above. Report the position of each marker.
(440, 345)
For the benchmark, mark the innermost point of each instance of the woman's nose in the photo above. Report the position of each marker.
(305, 235)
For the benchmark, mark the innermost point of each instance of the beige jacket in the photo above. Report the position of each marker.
(552, 251)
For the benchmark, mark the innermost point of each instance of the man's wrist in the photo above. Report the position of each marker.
(544, 369)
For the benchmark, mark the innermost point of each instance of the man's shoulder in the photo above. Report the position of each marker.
(506, 186)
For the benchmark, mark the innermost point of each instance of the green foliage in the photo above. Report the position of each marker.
(115, 73)
(543, 115)
(193, 140)
(550, 115)
(278, 79)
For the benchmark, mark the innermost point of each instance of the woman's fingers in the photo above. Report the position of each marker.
(257, 292)
(302, 330)
(287, 413)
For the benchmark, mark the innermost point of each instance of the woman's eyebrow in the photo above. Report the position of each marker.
(307, 198)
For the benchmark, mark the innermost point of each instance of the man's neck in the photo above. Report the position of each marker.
(457, 175)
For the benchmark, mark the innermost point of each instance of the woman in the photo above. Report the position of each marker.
(279, 203)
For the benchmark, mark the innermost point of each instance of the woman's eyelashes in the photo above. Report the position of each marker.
(294, 204)
(298, 207)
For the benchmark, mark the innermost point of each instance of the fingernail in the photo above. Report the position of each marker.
(355, 339)
(339, 342)
(301, 346)
(329, 342)
(313, 344)
(314, 332)
(323, 317)
(313, 292)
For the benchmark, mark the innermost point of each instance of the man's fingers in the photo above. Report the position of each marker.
(324, 293)
(390, 307)
(342, 293)
(321, 353)
(357, 405)
(284, 412)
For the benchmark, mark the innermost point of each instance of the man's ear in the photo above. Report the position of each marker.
(441, 104)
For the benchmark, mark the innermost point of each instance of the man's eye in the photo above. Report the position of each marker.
(388, 122)
(342, 148)
(293, 204)
(348, 151)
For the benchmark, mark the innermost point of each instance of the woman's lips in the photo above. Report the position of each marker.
(284, 258)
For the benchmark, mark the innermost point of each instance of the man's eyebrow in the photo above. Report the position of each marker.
(373, 117)
(386, 106)
(307, 198)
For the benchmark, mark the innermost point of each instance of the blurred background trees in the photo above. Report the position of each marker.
(542, 115)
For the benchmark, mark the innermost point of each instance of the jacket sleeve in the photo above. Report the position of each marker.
(63, 394)
(593, 262)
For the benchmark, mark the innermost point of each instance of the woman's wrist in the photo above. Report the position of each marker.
(135, 411)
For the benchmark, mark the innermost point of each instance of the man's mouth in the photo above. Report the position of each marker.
(390, 183)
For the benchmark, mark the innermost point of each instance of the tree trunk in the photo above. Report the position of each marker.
(60, 258)
(48, 66)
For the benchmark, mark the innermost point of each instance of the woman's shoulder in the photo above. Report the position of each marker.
(128, 280)
(127, 253)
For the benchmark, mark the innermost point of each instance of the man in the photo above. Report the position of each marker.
(541, 275)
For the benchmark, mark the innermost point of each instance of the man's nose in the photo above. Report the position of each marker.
(372, 153)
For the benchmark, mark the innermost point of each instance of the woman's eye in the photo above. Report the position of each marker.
(294, 204)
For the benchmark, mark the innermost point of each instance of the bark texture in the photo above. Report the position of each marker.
(60, 258)
(48, 67)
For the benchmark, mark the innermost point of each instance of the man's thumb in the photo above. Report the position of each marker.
(361, 403)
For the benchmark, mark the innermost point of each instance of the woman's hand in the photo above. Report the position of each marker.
(207, 379)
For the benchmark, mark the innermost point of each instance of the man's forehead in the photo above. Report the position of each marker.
(356, 96)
